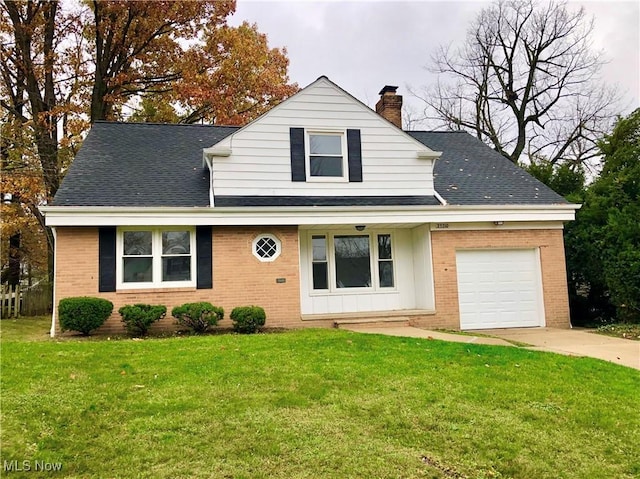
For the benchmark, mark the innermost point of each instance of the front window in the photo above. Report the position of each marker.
(340, 262)
(176, 256)
(320, 264)
(385, 261)
(353, 261)
(326, 157)
(137, 257)
(156, 258)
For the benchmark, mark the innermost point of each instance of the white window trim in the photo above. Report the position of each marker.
(331, 264)
(345, 161)
(278, 247)
(156, 244)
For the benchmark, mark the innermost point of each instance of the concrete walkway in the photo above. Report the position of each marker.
(411, 332)
(571, 342)
(575, 342)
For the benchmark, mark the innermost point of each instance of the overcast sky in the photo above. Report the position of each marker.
(365, 45)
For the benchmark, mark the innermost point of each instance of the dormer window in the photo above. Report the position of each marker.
(326, 155)
(330, 156)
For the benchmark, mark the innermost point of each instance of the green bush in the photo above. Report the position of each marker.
(248, 319)
(138, 318)
(83, 314)
(198, 317)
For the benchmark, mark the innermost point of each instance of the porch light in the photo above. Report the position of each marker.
(360, 227)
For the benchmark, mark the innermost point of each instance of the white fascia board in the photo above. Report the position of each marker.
(116, 216)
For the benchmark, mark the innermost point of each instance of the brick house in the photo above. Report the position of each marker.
(321, 210)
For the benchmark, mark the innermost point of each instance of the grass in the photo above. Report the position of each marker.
(312, 403)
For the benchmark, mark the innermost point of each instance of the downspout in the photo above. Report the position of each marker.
(52, 333)
(435, 193)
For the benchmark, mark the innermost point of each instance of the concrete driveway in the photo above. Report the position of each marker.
(573, 342)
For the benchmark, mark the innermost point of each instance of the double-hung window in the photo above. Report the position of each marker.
(149, 258)
(344, 261)
(326, 158)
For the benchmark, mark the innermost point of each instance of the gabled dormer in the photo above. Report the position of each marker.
(321, 143)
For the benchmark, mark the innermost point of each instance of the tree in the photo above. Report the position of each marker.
(603, 244)
(238, 77)
(137, 46)
(525, 82)
(64, 64)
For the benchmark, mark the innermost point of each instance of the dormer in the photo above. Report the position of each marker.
(321, 142)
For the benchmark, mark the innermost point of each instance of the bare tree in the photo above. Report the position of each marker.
(526, 81)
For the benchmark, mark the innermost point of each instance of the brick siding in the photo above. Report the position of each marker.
(554, 280)
(239, 278)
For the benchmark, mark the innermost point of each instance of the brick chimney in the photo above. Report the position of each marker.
(390, 105)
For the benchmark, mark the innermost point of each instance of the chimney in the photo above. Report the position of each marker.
(390, 105)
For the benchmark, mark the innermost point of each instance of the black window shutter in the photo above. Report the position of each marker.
(107, 259)
(204, 261)
(298, 172)
(354, 152)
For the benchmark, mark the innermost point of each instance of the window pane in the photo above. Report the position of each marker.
(320, 280)
(384, 246)
(325, 144)
(326, 165)
(319, 248)
(175, 242)
(138, 270)
(353, 267)
(266, 247)
(176, 268)
(137, 243)
(386, 274)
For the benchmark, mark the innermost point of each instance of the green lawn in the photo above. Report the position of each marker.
(312, 404)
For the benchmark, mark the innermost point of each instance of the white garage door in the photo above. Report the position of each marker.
(499, 289)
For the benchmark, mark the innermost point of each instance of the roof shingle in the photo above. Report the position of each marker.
(155, 165)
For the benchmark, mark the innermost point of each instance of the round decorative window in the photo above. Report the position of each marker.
(266, 247)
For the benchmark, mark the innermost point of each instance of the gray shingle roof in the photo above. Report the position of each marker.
(148, 164)
(140, 164)
(471, 173)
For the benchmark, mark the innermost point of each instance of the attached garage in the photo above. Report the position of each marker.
(499, 288)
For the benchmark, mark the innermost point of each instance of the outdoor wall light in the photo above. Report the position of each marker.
(360, 227)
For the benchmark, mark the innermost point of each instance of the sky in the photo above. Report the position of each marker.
(364, 45)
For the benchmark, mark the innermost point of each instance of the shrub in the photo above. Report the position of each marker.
(198, 317)
(83, 314)
(138, 318)
(248, 319)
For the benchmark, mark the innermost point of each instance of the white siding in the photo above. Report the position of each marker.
(260, 162)
(422, 268)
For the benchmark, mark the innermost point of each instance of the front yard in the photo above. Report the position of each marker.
(312, 403)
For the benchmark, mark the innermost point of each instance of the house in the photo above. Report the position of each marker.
(319, 211)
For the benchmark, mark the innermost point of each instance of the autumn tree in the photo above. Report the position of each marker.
(66, 64)
(526, 82)
(138, 46)
(236, 78)
(37, 136)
